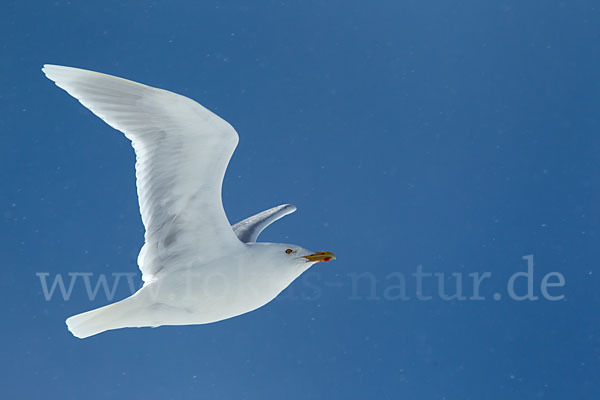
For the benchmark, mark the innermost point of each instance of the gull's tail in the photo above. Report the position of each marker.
(113, 316)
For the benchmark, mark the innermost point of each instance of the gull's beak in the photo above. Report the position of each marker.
(321, 256)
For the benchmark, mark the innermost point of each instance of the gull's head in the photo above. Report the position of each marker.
(289, 255)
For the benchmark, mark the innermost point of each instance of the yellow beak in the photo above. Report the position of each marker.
(321, 256)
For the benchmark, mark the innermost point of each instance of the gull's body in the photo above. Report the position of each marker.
(196, 268)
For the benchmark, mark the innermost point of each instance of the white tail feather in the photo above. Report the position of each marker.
(112, 316)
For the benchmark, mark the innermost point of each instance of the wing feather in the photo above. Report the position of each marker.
(249, 229)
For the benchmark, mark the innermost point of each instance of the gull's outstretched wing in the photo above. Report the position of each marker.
(182, 151)
(249, 229)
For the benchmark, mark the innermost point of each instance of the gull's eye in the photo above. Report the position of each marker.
(289, 251)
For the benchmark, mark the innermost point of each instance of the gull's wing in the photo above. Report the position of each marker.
(182, 151)
(249, 229)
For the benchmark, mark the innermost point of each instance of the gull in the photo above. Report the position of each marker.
(196, 267)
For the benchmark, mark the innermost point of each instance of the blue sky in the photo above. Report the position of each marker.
(458, 136)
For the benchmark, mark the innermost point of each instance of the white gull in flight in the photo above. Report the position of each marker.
(196, 268)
